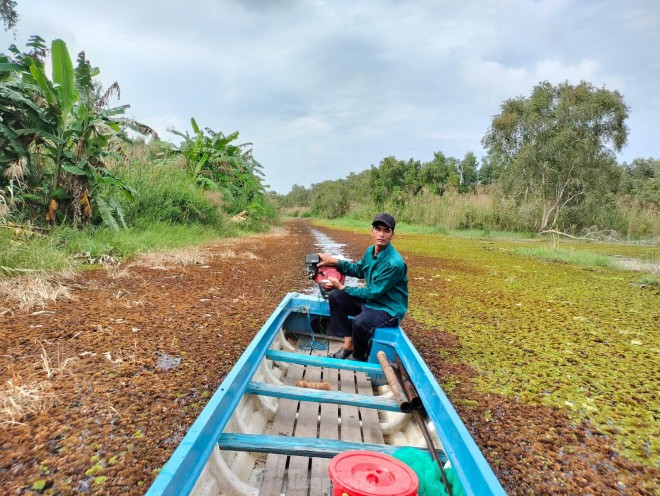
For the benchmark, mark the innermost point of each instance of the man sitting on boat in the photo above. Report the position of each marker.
(384, 300)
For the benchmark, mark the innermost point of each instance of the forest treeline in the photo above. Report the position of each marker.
(70, 157)
(550, 166)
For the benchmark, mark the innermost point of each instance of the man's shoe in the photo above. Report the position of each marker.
(342, 353)
(358, 359)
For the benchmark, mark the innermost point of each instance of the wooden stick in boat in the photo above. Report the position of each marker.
(411, 390)
(395, 385)
(325, 386)
(431, 445)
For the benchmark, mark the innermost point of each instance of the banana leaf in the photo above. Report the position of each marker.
(44, 84)
(72, 169)
(39, 132)
(106, 213)
(10, 67)
(12, 138)
(195, 127)
(63, 75)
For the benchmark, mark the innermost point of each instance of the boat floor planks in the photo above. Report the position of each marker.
(371, 431)
(328, 429)
(298, 471)
(302, 476)
(283, 424)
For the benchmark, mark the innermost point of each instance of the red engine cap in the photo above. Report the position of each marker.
(324, 273)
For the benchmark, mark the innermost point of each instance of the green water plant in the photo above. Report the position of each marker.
(583, 340)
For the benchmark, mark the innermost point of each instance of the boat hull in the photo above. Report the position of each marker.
(254, 386)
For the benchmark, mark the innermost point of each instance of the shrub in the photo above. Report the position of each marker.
(166, 193)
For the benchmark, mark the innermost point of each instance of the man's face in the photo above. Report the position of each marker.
(382, 235)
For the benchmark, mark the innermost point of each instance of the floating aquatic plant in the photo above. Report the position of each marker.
(584, 340)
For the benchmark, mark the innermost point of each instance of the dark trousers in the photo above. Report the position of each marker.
(342, 306)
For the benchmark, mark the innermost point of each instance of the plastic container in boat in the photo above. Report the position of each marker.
(367, 473)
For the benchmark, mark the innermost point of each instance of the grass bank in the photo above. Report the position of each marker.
(65, 248)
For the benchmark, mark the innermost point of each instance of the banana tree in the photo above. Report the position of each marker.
(84, 131)
(24, 122)
(216, 163)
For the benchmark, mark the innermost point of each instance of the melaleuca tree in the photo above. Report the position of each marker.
(395, 180)
(640, 180)
(490, 170)
(299, 196)
(330, 199)
(434, 175)
(467, 173)
(557, 144)
(358, 187)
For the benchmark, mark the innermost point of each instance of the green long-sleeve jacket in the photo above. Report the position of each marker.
(387, 280)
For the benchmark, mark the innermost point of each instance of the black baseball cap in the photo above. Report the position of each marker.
(386, 219)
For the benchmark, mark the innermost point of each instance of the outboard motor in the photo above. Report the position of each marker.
(321, 274)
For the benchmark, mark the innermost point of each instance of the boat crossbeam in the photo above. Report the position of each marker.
(302, 446)
(320, 396)
(319, 361)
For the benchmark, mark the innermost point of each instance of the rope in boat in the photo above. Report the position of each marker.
(307, 343)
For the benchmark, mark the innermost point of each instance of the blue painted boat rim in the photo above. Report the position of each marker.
(473, 470)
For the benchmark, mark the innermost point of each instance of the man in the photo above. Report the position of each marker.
(384, 300)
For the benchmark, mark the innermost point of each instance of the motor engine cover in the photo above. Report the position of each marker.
(325, 273)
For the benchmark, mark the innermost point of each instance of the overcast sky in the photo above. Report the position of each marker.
(324, 88)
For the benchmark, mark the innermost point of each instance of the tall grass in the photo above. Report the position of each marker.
(483, 210)
(20, 255)
(402, 227)
(170, 211)
(129, 242)
(167, 193)
(488, 210)
(641, 220)
(576, 257)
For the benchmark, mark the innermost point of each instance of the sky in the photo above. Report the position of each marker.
(324, 88)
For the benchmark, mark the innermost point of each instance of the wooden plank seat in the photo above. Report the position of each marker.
(323, 361)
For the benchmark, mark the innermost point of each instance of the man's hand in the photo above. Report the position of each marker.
(327, 260)
(334, 283)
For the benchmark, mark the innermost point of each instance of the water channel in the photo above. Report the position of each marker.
(325, 244)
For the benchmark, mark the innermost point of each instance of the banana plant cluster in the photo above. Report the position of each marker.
(56, 135)
(218, 164)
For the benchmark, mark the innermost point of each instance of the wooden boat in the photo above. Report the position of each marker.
(261, 434)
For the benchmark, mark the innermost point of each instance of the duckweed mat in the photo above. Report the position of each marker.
(553, 367)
